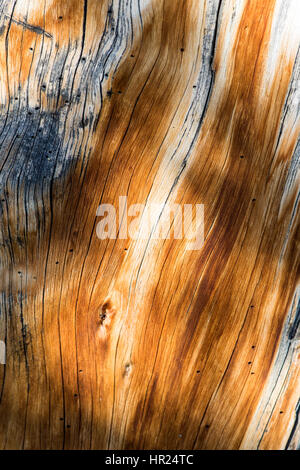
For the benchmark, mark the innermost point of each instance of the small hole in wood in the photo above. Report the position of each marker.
(182, 49)
(241, 156)
(102, 318)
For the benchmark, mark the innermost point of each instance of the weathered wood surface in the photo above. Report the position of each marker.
(157, 100)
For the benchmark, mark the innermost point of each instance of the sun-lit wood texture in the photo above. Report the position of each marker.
(141, 343)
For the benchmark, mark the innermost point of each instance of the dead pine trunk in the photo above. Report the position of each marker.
(114, 333)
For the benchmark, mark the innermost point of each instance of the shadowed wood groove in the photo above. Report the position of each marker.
(143, 344)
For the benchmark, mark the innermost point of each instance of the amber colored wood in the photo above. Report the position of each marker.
(141, 344)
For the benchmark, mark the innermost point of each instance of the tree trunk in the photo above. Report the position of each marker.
(140, 342)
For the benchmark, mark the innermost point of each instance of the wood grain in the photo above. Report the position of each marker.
(142, 344)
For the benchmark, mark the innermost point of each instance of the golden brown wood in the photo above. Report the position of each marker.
(132, 344)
